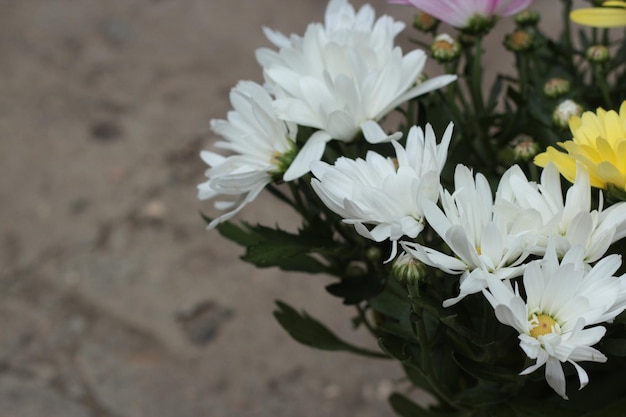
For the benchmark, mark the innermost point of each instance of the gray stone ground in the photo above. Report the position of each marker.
(114, 300)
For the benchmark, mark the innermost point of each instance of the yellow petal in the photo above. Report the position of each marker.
(599, 17)
(615, 3)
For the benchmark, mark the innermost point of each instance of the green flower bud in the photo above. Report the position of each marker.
(373, 254)
(408, 270)
(556, 87)
(480, 24)
(597, 54)
(467, 39)
(564, 111)
(519, 41)
(524, 148)
(445, 48)
(527, 18)
(425, 22)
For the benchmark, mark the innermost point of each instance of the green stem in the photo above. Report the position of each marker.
(476, 76)
(523, 74)
(425, 347)
(366, 322)
(298, 202)
(600, 77)
(567, 33)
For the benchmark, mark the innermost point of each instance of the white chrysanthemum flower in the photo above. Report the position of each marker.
(262, 144)
(342, 78)
(567, 222)
(562, 301)
(483, 245)
(384, 192)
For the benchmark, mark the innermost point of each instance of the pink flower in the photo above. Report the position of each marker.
(460, 13)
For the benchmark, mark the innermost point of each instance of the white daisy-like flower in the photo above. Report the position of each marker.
(262, 145)
(482, 243)
(567, 222)
(385, 192)
(562, 301)
(343, 78)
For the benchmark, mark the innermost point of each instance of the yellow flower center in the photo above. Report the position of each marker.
(543, 324)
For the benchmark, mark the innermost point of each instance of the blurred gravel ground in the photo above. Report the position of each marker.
(114, 302)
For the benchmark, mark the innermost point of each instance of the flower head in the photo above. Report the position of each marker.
(598, 145)
(604, 17)
(565, 223)
(383, 192)
(562, 301)
(474, 15)
(343, 77)
(482, 243)
(262, 144)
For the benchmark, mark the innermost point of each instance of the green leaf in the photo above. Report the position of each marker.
(614, 347)
(407, 408)
(395, 307)
(531, 408)
(486, 371)
(311, 332)
(618, 408)
(241, 235)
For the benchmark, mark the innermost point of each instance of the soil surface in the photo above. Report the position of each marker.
(114, 299)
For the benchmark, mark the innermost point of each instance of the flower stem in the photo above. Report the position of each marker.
(476, 76)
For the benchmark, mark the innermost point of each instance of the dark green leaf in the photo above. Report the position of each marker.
(240, 235)
(482, 395)
(618, 408)
(353, 290)
(311, 332)
(614, 347)
(531, 409)
(407, 408)
(486, 371)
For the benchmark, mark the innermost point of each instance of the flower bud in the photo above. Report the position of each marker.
(564, 111)
(527, 18)
(373, 254)
(445, 48)
(597, 54)
(425, 22)
(480, 24)
(519, 41)
(524, 148)
(408, 270)
(556, 87)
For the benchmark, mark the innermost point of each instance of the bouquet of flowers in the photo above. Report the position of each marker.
(479, 234)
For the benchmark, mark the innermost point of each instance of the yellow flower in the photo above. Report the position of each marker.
(598, 144)
(602, 17)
